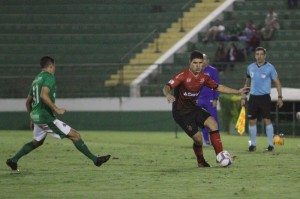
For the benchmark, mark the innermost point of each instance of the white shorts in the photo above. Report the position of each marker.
(57, 129)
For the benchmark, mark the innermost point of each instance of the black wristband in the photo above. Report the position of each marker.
(280, 96)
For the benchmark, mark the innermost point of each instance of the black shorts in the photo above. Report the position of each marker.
(259, 105)
(190, 122)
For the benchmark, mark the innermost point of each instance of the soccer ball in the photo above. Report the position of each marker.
(278, 139)
(224, 159)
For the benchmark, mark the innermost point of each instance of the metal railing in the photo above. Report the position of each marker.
(183, 8)
(134, 48)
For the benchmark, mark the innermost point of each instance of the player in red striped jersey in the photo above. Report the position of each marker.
(187, 85)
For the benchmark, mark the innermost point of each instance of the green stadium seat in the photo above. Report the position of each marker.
(259, 5)
(82, 32)
(282, 50)
(287, 35)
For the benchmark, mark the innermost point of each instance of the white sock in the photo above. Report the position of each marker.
(253, 132)
(270, 133)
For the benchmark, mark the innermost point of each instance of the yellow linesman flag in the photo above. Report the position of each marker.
(241, 122)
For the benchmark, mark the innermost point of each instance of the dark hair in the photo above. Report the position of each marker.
(261, 48)
(45, 61)
(196, 54)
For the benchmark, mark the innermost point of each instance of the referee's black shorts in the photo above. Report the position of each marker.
(259, 105)
(191, 121)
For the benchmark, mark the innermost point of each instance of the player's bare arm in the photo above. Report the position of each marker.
(215, 103)
(224, 89)
(279, 91)
(46, 99)
(167, 93)
(28, 103)
(247, 82)
(28, 108)
(244, 96)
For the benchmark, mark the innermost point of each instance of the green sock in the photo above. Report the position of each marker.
(84, 149)
(23, 151)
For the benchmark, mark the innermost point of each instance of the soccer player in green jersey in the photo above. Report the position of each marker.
(40, 104)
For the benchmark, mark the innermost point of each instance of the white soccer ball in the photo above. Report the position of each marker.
(224, 159)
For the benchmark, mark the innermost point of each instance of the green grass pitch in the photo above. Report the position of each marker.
(146, 165)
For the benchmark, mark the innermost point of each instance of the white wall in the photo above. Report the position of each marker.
(124, 103)
(97, 104)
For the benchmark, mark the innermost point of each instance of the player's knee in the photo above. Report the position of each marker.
(211, 124)
(267, 121)
(74, 135)
(38, 143)
(252, 122)
(198, 139)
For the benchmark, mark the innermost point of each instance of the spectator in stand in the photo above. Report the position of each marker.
(271, 24)
(214, 33)
(292, 4)
(234, 30)
(253, 43)
(221, 57)
(247, 32)
(233, 55)
(251, 25)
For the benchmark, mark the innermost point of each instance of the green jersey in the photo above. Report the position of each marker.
(41, 113)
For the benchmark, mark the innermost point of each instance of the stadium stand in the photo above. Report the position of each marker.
(98, 43)
(89, 39)
(165, 40)
(282, 49)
